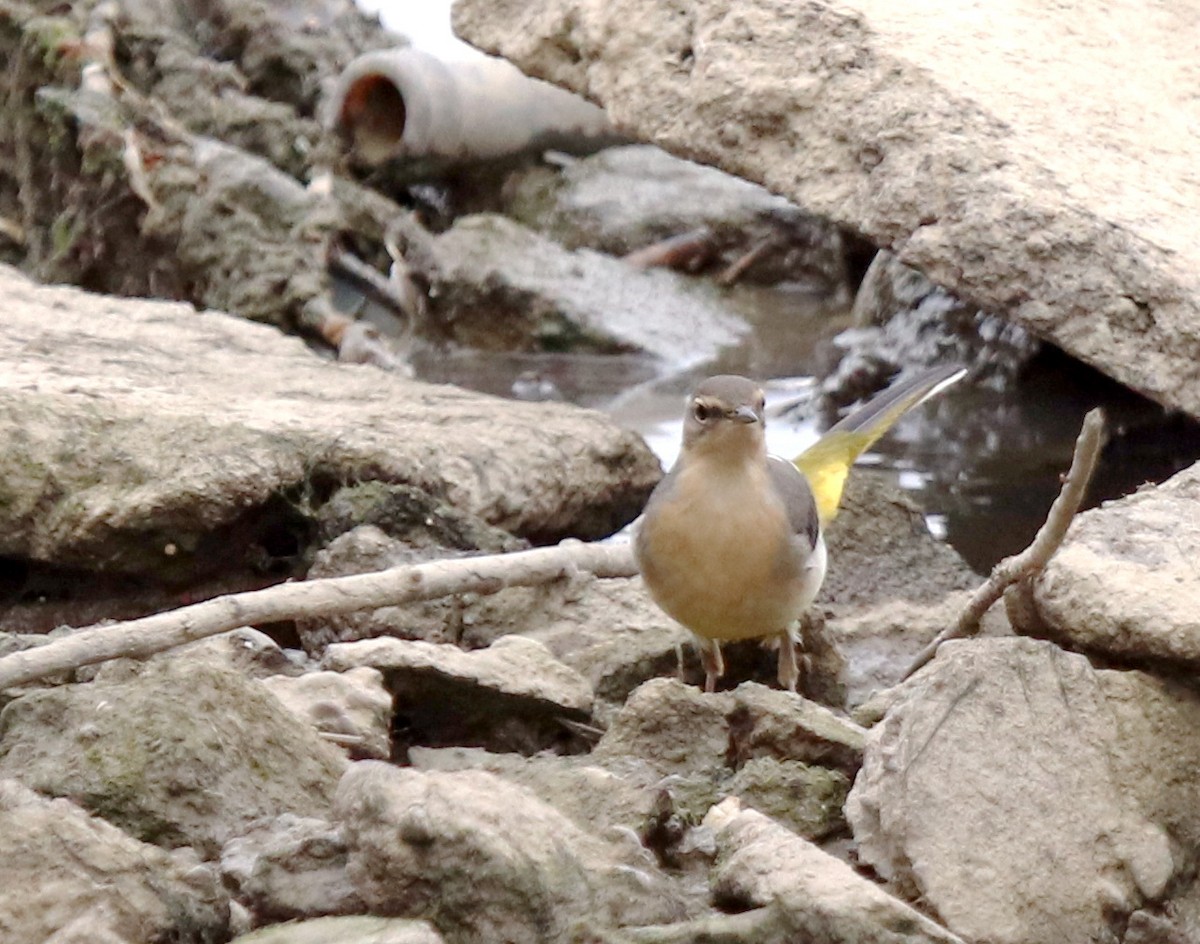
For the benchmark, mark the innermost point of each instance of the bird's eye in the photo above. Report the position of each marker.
(702, 411)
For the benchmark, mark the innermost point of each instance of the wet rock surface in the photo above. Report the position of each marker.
(1068, 785)
(991, 187)
(901, 319)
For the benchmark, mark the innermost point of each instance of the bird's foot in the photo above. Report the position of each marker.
(711, 659)
(789, 668)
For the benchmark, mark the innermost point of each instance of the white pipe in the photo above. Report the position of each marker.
(407, 103)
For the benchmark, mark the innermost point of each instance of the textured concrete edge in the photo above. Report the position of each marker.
(982, 221)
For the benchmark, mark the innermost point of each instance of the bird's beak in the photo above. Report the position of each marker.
(744, 414)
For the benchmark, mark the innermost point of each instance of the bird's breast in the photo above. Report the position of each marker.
(717, 553)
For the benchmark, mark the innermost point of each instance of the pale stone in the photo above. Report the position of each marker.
(760, 862)
(1126, 584)
(1028, 798)
(162, 427)
(1031, 158)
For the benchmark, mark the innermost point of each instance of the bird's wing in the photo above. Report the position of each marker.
(827, 462)
(793, 489)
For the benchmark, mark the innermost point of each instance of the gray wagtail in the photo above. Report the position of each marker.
(731, 541)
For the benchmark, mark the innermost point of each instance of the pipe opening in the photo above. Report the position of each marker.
(373, 114)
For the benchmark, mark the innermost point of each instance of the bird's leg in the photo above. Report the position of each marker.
(710, 658)
(789, 671)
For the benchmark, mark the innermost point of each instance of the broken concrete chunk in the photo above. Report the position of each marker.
(690, 749)
(352, 709)
(513, 665)
(607, 630)
(612, 633)
(1025, 796)
(1126, 583)
(760, 862)
(182, 754)
(766, 722)
(290, 867)
(497, 285)
(681, 730)
(69, 877)
(673, 728)
(512, 695)
(485, 860)
(805, 798)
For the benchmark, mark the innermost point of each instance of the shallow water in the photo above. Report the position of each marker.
(985, 464)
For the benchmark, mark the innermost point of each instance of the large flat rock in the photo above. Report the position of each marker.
(1032, 158)
(141, 435)
(1026, 797)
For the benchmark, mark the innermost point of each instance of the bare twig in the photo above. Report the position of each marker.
(135, 167)
(736, 269)
(685, 252)
(314, 599)
(1020, 569)
(373, 282)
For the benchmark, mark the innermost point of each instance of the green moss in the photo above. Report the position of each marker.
(63, 233)
(805, 798)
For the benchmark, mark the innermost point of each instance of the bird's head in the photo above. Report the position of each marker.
(725, 419)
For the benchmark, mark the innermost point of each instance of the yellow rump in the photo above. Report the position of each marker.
(827, 462)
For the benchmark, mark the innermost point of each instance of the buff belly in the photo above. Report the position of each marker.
(726, 575)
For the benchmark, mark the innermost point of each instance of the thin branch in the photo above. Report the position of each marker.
(374, 283)
(1022, 568)
(313, 599)
(685, 252)
(736, 269)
